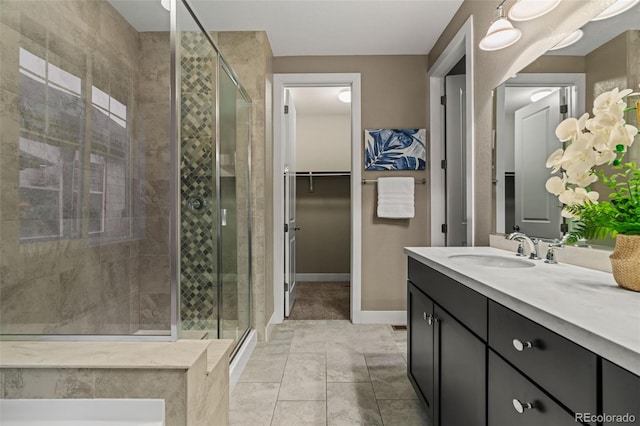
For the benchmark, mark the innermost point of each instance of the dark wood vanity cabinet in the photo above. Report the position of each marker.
(474, 362)
(620, 394)
(446, 360)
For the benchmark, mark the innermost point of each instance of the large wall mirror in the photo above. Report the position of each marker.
(528, 107)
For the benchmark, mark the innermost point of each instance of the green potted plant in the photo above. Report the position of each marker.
(591, 143)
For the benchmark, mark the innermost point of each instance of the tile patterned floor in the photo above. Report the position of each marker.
(327, 372)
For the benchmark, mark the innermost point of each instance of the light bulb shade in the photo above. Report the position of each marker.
(345, 96)
(571, 39)
(501, 34)
(525, 10)
(166, 4)
(536, 96)
(620, 6)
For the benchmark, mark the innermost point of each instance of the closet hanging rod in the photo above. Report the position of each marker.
(422, 181)
(316, 174)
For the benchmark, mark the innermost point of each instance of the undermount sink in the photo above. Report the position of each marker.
(492, 260)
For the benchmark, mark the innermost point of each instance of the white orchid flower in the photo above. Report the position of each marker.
(578, 159)
(555, 160)
(566, 213)
(605, 157)
(607, 100)
(622, 135)
(582, 178)
(569, 129)
(578, 196)
(555, 185)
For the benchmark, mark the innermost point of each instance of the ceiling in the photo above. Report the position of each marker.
(315, 27)
(319, 101)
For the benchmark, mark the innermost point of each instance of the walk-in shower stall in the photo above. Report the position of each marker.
(124, 174)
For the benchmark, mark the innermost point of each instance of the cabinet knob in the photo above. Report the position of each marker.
(521, 406)
(429, 318)
(520, 346)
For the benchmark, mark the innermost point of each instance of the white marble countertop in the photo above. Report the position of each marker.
(583, 305)
(181, 354)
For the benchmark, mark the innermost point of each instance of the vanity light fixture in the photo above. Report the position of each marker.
(616, 8)
(166, 4)
(525, 10)
(345, 96)
(501, 33)
(571, 39)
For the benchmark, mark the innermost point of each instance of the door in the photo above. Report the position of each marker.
(537, 212)
(289, 204)
(456, 161)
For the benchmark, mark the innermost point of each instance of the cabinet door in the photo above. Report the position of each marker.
(420, 346)
(620, 394)
(461, 366)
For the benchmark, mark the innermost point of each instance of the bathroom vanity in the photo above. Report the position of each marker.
(497, 340)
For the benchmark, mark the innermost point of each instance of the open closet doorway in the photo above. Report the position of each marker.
(318, 202)
(317, 199)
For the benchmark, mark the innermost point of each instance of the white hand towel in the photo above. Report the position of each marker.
(395, 197)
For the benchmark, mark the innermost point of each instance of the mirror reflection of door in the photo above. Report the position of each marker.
(455, 152)
(536, 211)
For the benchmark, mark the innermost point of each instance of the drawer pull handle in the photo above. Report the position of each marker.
(521, 406)
(520, 346)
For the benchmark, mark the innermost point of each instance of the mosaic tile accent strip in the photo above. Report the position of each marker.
(198, 287)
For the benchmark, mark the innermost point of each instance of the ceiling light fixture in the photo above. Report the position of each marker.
(617, 8)
(345, 96)
(568, 41)
(525, 10)
(166, 4)
(501, 33)
(543, 93)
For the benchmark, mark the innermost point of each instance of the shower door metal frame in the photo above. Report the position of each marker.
(220, 63)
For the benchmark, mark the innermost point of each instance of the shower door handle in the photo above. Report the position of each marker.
(224, 216)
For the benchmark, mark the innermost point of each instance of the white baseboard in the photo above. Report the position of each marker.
(323, 277)
(242, 357)
(270, 325)
(383, 317)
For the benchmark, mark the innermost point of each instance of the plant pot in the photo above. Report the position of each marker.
(625, 261)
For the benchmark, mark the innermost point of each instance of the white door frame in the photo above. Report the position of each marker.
(461, 45)
(280, 82)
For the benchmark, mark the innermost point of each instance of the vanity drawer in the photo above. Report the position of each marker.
(466, 305)
(564, 369)
(506, 385)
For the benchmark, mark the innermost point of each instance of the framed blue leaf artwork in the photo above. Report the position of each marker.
(395, 149)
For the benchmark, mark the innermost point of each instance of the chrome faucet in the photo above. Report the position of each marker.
(532, 242)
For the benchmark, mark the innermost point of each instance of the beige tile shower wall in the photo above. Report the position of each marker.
(394, 95)
(154, 130)
(249, 54)
(492, 68)
(79, 284)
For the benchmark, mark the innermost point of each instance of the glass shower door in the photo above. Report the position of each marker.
(198, 64)
(234, 178)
